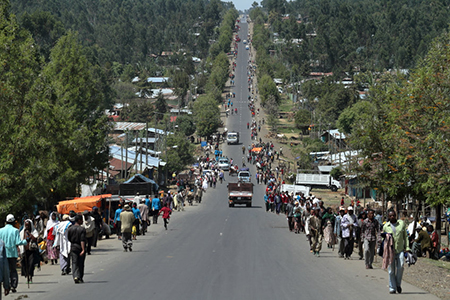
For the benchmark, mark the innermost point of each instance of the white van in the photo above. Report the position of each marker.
(233, 137)
(244, 176)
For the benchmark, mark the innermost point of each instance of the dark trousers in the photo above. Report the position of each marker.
(348, 246)
(95, 238)
(136, 223)
(278, 207)
(89, 242)
(291, 223)
(119, 228)
(144, 227)
(155, 216)
(77, 264)
(13, 276)
(127, 243)
(166, 221)
(267, 206)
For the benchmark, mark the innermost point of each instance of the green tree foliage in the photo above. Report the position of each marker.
(138, 111)
(23, 158)
(373, 35)
(336, 173)
(160, 106)
(354, 116)
(186, 124)
(45, 28)
(70, 87)
(179, 153)
(303, 150)
(303, 120)
(271, 107)
(406, 142)
(206, 115)
(54, 128)
(128, 31)
(328, 99)
(180, 82)
(267, 89)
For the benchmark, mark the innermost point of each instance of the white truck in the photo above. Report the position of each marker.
(317, 180)
(293, 188)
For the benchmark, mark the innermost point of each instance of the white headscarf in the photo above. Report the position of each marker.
(51, 223)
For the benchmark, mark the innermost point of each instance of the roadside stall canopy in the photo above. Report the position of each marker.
(257, 149)
(81, 204)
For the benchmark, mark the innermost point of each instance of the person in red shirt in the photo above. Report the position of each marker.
(166, 211)
(434, 242)
(285, 201)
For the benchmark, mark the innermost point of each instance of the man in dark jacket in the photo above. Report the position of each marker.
(77, 237)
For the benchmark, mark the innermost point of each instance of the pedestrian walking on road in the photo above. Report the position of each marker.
(290, 215)
(143, 209)
(315, 229)
(369, 230)
(89, 225)
(117, 222)
(128, 219)
(10, 236)
(156, 206)
(338, 231)
(397, 229)
(28, 252)
(63, 244)
(166, 211)
(49, 234)
(137, 219)
(348, 226)
(4, 269)
(77, 238)
(328, 220)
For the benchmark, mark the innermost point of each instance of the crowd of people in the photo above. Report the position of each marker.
(348, 228)
(66, 239)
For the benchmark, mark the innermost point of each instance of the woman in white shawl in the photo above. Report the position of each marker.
(62, 242)
(49, 234)
(28, 252)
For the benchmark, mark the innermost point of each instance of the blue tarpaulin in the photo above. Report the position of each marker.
(203, 144)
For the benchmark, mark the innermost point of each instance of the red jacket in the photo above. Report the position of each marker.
(166, 212)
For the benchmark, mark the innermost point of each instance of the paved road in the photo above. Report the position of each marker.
(215, 252)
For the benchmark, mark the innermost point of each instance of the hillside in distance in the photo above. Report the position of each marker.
(127, 31)
(371, 34)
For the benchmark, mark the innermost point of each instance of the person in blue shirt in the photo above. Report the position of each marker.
(156, 206)
(4, 268)
(148, 202)
(137, 218)
(10, 236)
(266, 201)
(117, 222)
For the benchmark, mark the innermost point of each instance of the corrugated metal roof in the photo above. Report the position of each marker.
(122, 126)
(117, 152)
(158, 79)
(144, 140)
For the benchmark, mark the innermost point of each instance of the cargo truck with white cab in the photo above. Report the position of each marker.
(318, 181)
